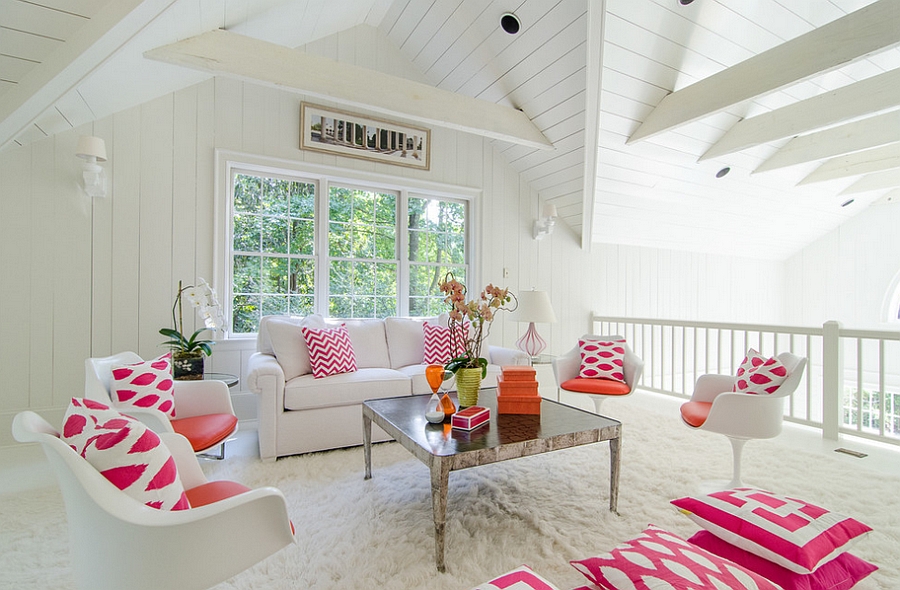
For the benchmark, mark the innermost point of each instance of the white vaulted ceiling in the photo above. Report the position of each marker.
(643, 101)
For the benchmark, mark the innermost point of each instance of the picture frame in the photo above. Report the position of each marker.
(322, 129)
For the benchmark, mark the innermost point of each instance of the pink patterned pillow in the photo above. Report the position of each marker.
(841, 573)
(126, 452)
(792, 533)
(330, 351)
(658, 559)
(758, 375)
(437, 343)
(521, 578)
(602, 359)
(143, 385)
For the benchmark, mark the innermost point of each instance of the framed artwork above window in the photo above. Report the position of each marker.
(336, 132)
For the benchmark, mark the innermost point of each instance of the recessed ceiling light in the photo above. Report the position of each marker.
(723, 172)
(685, 2)
(847, 202)
(510, 23)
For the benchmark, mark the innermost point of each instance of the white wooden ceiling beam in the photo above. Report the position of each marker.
(108, 30)
(856, 164)
(874, 182)
(229, 54)
(836, 141)
(863, 98)
(830, 46)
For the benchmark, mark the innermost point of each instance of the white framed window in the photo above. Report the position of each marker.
(297, 239)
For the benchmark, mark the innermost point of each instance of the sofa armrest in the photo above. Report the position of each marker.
(499, 355)
(266, 379)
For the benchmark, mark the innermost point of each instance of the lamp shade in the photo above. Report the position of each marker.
(91, 147)
(549, 210)
(534, 306)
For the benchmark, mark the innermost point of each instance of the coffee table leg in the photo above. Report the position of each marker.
(614, 472)
(367, 444)
(440, 478)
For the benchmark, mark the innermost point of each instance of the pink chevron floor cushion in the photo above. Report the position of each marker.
(330, 351)
(143, 385)
(521, 578)
(657, 559)
(126, 452)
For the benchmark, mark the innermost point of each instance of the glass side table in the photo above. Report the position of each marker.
(229, 379)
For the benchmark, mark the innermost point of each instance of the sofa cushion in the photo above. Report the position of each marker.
(440, 347)
(369, 342)
(285, 337)
(306, 392)
(406, 342)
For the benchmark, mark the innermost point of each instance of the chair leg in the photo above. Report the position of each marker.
(737, 446)
(598, 399)
(219, 457)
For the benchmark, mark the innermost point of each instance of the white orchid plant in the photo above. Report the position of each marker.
(202, 297)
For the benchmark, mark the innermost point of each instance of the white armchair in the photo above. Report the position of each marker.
(567, 367)
(117, 542)
(740, 416)
(203, 411)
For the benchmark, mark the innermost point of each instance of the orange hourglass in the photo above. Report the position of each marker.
(434, 374)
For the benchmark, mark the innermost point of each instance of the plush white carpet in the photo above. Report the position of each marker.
(543, 511)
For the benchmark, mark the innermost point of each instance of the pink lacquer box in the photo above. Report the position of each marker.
(471, 417)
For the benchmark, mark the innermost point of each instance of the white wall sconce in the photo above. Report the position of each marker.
(93, 151)
(544, 226)
(534, 306)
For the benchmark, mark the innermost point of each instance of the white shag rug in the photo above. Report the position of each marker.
(542, 511)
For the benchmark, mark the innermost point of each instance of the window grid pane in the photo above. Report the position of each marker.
(272, 253)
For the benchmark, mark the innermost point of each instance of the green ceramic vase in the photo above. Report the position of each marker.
(468, 382)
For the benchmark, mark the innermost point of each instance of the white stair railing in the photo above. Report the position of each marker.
(851, 384)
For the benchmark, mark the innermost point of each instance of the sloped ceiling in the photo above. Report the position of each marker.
(597, 78)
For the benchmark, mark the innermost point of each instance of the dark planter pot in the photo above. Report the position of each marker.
(187, 366)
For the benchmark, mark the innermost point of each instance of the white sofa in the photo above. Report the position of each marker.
(299, 413)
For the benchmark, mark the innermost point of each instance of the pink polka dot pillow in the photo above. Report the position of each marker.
(330, 351)
(794, 534)
(127, 453)
(657, 559)
(438, 349)
(758, 375)
(144, 385)
(521, 578)
(602, 359)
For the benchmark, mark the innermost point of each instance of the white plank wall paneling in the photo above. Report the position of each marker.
(99, 276)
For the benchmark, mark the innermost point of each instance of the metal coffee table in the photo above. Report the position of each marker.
(506, 436)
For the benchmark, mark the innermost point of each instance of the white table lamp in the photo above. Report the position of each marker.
(534, 307)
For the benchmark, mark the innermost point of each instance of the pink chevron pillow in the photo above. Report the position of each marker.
(758, 375)
(794, 534)
(658, 559)
(330, 351)
(143, 385)
(437, 343)
(602, 359)
(127, 453)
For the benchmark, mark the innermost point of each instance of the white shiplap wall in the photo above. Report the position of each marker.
(86, 277)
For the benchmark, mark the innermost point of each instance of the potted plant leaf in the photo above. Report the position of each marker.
(188, 351)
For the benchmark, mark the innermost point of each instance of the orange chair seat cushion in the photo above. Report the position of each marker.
(205, 432)
(695, 413)
(596, 386)
(214, 491)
